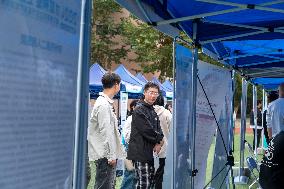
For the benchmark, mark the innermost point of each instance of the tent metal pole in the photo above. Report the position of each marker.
(178, 38)
(193, 102)
(232, 37)
(257, 7)
(186, 18)
(174, 115)
(218, 55)
(260, 46)
(269, 56)
(243, 123)
(80, 141)
(242, 5)
(242, 179)
(143, 10)
(259, 63)
(239, 8)
(232, 124)
(243, 26)
(279, 73)
(266, 100)
(246, 55)
(254, 92)
(262, 116)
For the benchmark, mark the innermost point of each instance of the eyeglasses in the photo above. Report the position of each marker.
(153, 93)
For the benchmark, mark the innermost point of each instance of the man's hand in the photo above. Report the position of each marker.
(157, 148)
(112, 162)
(162, 142)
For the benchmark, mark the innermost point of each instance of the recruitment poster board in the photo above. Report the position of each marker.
(224, 120)
(217, 84)
(38, 78)
(178, 161)
(215, 81)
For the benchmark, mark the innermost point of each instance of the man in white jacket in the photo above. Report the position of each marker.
(165, 118)
(104, 146)
(275, 114)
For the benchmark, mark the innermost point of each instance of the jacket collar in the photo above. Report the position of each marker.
(106, 97)
(146, 104)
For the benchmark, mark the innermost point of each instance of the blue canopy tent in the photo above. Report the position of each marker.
(219, 24)
(165, 91)
(245, 35)
(95, 76)
(269, 83)
(141, 77)
(95, 83)
(133, 86)
(167, 84)
(258, 58)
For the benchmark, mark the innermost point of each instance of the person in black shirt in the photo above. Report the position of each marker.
(146, 136)
(257, 125)
(272, 166)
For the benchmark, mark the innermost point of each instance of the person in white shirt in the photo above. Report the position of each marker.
(104, 146)
(165, 118)
(127, 125)
(275, 114)
(128, 181)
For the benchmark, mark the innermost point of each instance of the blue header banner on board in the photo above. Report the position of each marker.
(38, 79)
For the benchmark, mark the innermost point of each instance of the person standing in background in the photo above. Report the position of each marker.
(169, 107)
(275, 114)
(272, 166)
(271, 97)
(165, 118)
(257, 125)
(128, 176)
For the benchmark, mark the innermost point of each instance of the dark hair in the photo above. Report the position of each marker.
(272, 96)
(259, 102)
(151, 85)
(110, 79)
(159, 101)
(167, 106)
(133, 104)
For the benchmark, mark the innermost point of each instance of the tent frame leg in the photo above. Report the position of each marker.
(241, 178)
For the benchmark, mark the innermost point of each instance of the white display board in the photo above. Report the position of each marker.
(217, 84)
(123, 107)
(38, 77)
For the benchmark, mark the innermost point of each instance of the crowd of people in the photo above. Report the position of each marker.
(144, 136)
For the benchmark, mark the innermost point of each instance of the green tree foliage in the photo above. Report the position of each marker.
(238, 95)
(153, 48)
(104, 49)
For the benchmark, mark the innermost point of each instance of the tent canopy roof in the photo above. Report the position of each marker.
(167, 84)
(96, 74)
(245, 34)
(127, 77)
(141, 77)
